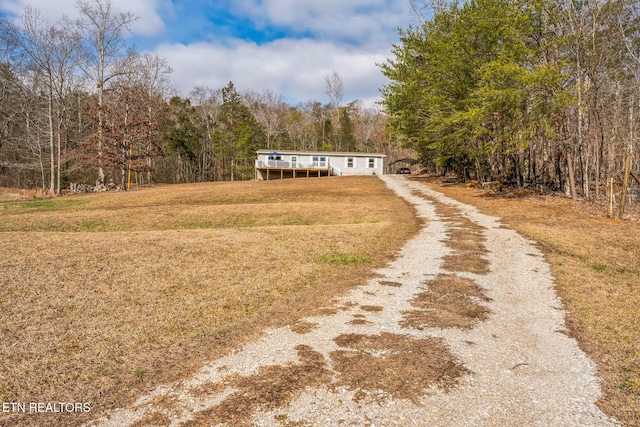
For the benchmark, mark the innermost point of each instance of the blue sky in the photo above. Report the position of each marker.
(284, 46)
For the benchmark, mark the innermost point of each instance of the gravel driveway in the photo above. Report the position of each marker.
(405, 348)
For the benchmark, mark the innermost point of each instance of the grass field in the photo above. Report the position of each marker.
(596, 265)
(104, 296)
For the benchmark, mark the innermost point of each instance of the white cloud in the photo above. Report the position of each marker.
(345, 36)
(53, 10)
(149, 22)
(296, 69)
(365, 22)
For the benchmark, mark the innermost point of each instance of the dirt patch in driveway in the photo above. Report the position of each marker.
(271, 387)
(399, 365)
(449, 302)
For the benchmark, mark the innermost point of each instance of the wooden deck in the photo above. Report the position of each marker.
(269, 173)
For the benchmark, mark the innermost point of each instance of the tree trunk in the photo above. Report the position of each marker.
(571, 175)
(59, 154)
(52, 147)
(100, 135)
(123, 175)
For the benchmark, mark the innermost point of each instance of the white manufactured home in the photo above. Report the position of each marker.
(279, 164)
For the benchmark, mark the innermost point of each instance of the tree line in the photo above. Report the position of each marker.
(532, 93)
(78, 105)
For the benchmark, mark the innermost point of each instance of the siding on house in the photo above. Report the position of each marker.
(272, 164)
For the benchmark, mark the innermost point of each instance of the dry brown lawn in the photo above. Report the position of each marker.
(105, 296)
(596, 264)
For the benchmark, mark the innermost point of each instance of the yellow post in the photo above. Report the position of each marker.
(611, 198)
(625, 185)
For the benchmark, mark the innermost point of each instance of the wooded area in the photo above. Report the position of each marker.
(540, 94)
(80, 106)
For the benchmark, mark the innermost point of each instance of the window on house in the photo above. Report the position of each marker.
(350, 162)
(372, 162)
(319, 161)
(294, 161)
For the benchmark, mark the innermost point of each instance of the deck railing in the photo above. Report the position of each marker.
(281, 164)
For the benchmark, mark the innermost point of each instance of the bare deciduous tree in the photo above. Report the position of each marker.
(334, 88)
(51, 53)
(106, 56)
(269, 110)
